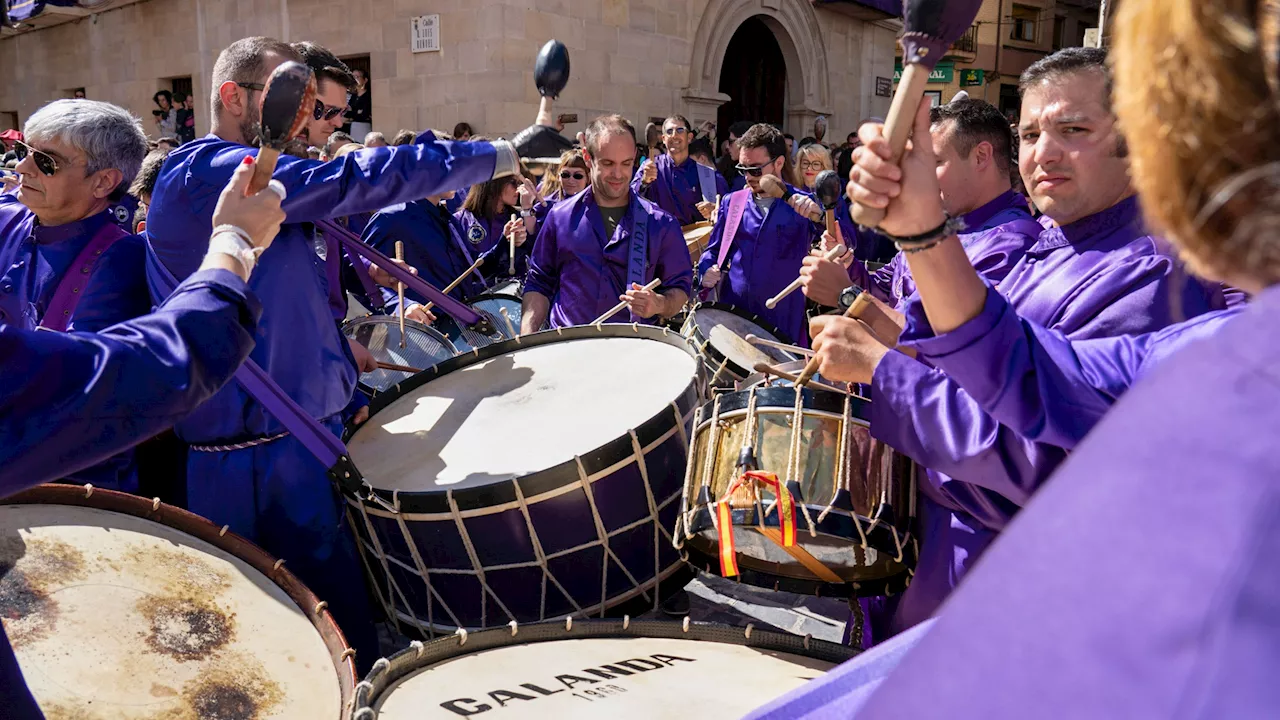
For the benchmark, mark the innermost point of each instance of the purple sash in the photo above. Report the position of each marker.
(65, 298)
(638, 258)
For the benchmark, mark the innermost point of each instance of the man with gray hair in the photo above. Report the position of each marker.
(62, 252)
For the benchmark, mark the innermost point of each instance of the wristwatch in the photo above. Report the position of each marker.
(847, 296)
(526, 213)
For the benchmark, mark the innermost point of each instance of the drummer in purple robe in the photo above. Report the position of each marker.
(1096, 272)
(62, 253)
(494, 211)
(676, 183)
(70, 400)
(269, 488)
(605, 244)
(759, 243)
(1142, 580)
(975, 159)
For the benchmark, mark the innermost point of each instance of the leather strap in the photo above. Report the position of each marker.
(71, 287)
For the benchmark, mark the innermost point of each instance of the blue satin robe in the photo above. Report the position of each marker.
(432, 243)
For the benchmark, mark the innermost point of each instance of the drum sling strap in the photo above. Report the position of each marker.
(71, 287)
(638, 257)
(737, 206)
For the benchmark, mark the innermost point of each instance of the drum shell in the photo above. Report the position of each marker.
(449, 537)
(842, 503)
(696, 238)
(723, 372)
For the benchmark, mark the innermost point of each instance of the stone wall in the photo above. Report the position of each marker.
(639, 57)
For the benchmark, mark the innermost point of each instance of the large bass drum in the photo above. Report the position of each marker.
(122, 608)
(529, 479)
(624, 669)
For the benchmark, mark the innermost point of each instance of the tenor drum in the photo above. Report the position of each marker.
(595, 669)
(501, 304)
(122, 608)
(696, 238)
(719, 333)
(529, 479)
(852, 498)
(424, 347)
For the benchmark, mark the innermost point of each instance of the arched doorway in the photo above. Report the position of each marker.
(754, 76)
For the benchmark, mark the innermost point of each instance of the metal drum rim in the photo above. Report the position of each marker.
(546, 479)
(889, 586)
(203, 529)
(387, 671)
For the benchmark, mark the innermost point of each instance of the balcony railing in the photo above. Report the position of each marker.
(968, 42)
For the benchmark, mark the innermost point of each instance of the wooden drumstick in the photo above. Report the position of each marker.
(618, 308)
(775, 188)
(400, 291)
(860, 305)
(511, 266)
(507, 319)
(454, 285)
(833, 255)
(754, 340)
(398, 368)
(770, 370)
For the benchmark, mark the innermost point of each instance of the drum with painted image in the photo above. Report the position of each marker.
(719, 333)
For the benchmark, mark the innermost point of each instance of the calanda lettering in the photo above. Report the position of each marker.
(525, 692)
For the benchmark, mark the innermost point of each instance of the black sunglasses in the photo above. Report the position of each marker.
(565, 175)
(329, 112)
(754, 170)
(252, 86)
(45, 162)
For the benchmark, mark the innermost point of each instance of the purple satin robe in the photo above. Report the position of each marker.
(997, 236)
(1142, 581)
(484, 237)
(765, 257)
(677, 189)
(583, 275)
(1101, 276)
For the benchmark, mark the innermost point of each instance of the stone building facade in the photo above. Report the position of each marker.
(642, 58)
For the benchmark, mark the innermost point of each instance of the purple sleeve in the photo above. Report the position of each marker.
(544, 274)
(1033, 380)
(878, 283)
(673, 264)
(712, 252)
(1148, 293)
(71, 400)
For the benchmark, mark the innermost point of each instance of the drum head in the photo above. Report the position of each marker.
(527, 410)
(116, 617)
(727, 331)
(423, 348)
(597, 669)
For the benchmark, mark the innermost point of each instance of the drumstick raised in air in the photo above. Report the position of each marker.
(618, 308)
(861, 304)
(398, 368)
(400, 291)
(453, 285)
(833, 255)
(755, 340)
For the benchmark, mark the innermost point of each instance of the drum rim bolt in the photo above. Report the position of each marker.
(626, 622)
(155, 504)
(418, 647)
(320, 607)
(379, 665)
(514, 627)
(568, 623)
(684, 625)
(224, 530)
(807, 639)
(88, 490)
(747, 633)
(461, 634)
(277, 565)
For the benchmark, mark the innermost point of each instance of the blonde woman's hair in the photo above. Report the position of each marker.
(1196, 96)
(812, 151)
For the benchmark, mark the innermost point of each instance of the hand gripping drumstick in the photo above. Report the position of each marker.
(618, 308)
(931, 27)
(287, 101)
(833, 255)
(795, 349)
(454, 285)
(511, 266)
(398, 368)
(400, 290)
(862, 305)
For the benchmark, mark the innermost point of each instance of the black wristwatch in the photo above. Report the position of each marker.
(847, 296)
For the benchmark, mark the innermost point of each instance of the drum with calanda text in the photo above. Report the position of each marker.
(621, 669)
(123, 608)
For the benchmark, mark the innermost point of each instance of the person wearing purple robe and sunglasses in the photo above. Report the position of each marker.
(1141, 581)
(974, 162)
(63, 259)
(764, 250)
(605, 244)
(674, 182)
(1096, 273)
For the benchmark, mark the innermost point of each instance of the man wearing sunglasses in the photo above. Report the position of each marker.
(683, 188)
(759, 243)
(64, 262)
(605, 244)
(271, 489)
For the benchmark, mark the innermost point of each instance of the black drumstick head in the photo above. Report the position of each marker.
(551, 71)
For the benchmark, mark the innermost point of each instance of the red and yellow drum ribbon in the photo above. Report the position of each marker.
(724, 513)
